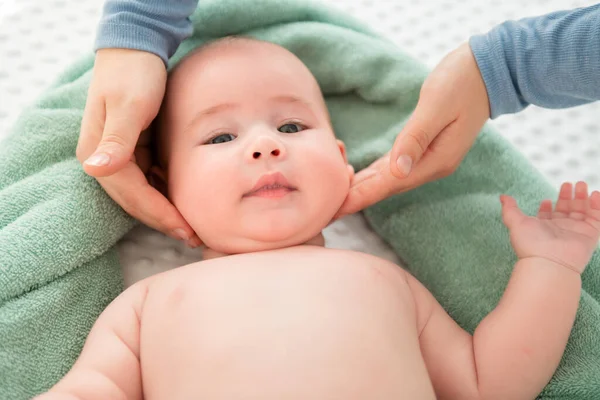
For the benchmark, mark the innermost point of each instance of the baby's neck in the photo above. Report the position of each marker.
(208, 253)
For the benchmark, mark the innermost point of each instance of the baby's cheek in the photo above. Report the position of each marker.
(188, 189)
(209, 202)
(332, 175)
(328, 180)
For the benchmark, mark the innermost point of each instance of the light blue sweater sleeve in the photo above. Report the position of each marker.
(552, 61)
(155, 26)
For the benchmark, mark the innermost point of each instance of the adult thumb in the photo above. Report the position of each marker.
(115, 149)
(412, 142)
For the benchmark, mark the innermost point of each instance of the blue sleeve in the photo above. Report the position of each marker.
(155, 26)
(552, 61)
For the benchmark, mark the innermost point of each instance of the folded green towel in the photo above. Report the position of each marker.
(58, 229)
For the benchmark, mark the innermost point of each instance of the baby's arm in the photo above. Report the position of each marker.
(109, 365)
(518, 346)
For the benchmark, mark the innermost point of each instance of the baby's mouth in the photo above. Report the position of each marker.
(272, 191)
(271, 186)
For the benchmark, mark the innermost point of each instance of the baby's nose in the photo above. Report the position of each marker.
(267, 147)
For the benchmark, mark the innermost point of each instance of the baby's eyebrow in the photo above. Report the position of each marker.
(291, 99)
(296, 100)
(219, 108)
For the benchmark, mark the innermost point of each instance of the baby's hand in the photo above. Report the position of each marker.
(566, 235)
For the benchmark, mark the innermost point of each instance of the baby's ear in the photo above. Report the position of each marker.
(342, 148)
(157, 178)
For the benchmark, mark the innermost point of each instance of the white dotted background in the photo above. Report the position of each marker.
(39, 38)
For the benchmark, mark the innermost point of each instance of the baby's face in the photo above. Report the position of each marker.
(253, 161)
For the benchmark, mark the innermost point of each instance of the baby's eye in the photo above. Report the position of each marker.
(291, 128)
(222, 138)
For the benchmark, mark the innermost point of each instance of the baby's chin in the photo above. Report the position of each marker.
(267, 229)
(263, 241)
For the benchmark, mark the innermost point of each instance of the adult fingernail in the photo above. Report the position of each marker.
(181, 234)
(98, 160)
(193, 242)
(404, 164)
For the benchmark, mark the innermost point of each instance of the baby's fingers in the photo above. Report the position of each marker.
(545, 211)
(563, 204)
(580, 204)
(593, 211)
(511, 214)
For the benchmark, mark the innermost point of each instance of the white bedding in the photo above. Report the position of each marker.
(39, 38)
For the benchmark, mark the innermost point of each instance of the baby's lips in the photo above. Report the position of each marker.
(271, 179)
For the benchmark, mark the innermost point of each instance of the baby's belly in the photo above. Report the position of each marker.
(299, 323)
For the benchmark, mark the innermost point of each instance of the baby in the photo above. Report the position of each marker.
(250, 159)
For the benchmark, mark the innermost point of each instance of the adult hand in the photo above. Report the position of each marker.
(452, 108)
(124, 97)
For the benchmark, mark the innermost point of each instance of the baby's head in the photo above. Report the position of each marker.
(247, 149)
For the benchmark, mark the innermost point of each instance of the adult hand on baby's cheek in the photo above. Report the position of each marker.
(131, 190)
(158, 185)
(368, 186)
(124, 97)
(375, 183)
(452, 108)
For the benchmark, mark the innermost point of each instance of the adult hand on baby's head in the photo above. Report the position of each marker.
(124, 97)
(452, 108)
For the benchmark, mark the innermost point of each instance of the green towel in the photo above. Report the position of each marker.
(58, 229)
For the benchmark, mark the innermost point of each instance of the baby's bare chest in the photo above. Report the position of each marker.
(280, 282)
(300, 312)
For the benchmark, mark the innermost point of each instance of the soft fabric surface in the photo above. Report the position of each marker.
(58, 266)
